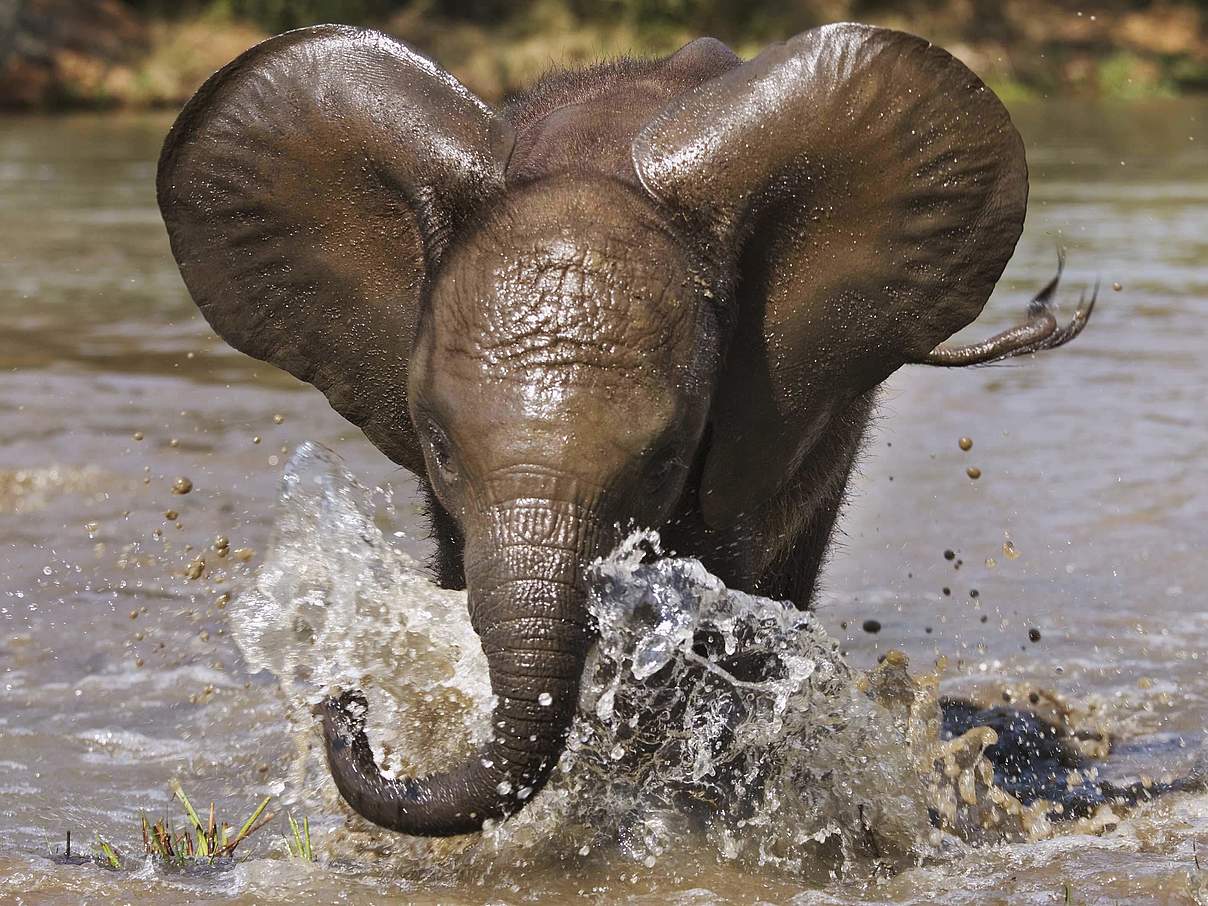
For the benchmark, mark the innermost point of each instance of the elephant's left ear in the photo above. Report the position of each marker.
(872, 190)
(309, 189)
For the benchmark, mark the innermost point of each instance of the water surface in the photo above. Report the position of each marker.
(118, 673)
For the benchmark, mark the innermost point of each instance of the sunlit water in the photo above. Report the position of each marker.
(118, 672)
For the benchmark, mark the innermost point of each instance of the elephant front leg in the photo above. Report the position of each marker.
(794, 576)
(727, 554)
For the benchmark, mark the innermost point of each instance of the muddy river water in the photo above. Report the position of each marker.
(1078, 565)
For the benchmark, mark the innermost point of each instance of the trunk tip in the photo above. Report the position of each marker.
(343, 718)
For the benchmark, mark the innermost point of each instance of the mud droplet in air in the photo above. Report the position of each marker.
(966, 443)
(973, 472)
(182, 485)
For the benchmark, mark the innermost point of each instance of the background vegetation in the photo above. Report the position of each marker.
(56, 53)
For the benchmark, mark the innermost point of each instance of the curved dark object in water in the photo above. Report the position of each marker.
(1033, 758)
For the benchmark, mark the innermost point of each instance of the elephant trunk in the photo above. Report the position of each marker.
(528, 605)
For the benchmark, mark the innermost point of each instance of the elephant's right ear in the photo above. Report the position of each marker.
(309, 188)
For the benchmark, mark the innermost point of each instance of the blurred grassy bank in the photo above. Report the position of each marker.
(141, 53)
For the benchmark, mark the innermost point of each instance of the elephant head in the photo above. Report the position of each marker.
(570, 323)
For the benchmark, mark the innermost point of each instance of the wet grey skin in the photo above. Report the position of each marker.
(655, 293)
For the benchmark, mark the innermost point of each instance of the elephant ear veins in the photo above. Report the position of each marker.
(308, 189)
(870, 190)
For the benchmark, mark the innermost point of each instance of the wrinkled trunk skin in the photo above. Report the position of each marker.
(525, 570)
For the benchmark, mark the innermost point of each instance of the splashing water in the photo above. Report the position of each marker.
(708, 718)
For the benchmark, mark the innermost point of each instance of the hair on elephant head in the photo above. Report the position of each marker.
(655, 292)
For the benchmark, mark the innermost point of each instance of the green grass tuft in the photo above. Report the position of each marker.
(203, 841)
(300, 846)
(206, 840)
(108, 856)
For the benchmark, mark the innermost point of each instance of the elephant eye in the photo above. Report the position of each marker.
(441, 458)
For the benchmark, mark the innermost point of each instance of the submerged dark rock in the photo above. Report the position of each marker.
(1034, 759)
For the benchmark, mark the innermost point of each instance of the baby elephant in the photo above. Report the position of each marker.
(656, 293)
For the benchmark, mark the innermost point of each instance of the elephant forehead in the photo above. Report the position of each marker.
(614, 302)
